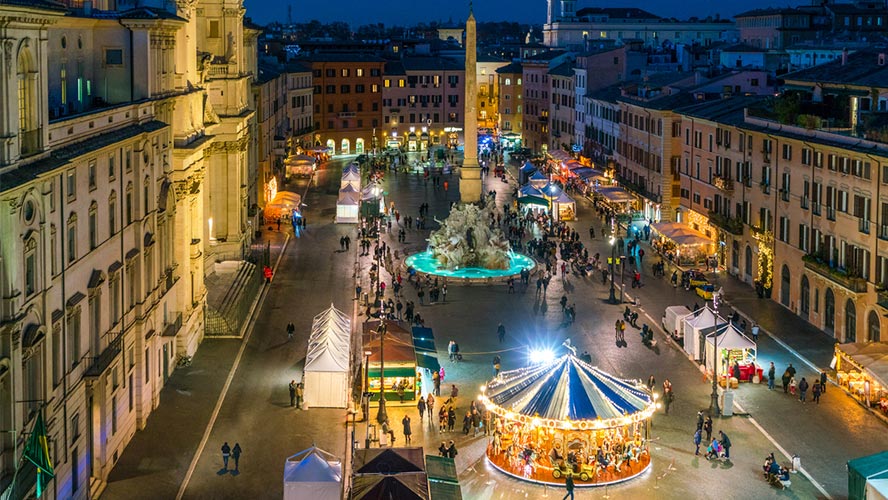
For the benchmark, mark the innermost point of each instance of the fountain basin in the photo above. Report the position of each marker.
(425, 263)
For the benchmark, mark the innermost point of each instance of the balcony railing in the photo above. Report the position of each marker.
(173, 325)
(831, 213)
(804, 202)
(883, 231)
(839, 276)
(100, 363)
(815, 208)
(863, 225)
(732, 225)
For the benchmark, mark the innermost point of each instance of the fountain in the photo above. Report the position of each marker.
(467, 246)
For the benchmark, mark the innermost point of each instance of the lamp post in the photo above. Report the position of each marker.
(613, 268)
(622, 276)
(381, 415)
(713, 403)
(365, 397)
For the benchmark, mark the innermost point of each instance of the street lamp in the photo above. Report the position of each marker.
(622, 276)
(713, 403)
(613, 267)
(381, 415)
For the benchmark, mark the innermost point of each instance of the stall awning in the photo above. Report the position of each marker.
(614, 194)
(393, 371)
(533, 200)
(681, 234)
(587, 173)
(871, 356)
(424, 345)
(729, 337)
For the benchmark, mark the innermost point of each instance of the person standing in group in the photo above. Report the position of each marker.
(407, 431)
(803, 389)
(815, 391)
(772, 371)
(300, 390)
(442, 450)
(451, 450)
(668, 398)
(451, 419)
(569, 486)
(235, 454)
(651, 383)
(823, 382)
(226, 452)
(421, 406)
(707, 428)
(726, 443)
(698, 437)
(700, 420)
(292, 393)
(501, 332)
(785, 379)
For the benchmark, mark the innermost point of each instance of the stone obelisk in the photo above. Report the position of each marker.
(470, 173)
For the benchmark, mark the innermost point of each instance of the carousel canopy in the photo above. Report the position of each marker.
(528, 167)
(567, 389)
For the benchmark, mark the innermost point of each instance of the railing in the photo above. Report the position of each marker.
(883, 231)
(854, 283)
(227, 317)
(171, 328)
(815, 208)
(882, 298)
(732, 225)
(863, 225)
(804, 202)
(784, 194)
(347, 114)
(831, 213)
(218, 70)
(100, 363)
(766, 187)
(725, 184)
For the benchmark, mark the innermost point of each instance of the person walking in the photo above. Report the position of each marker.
(235, 454)
(668, 398)
(707, 428)
(451, 450)
(226, 452)
(700, 420)
(421, 406)
(785, 379)
(622, 331)
(442, 450)
(755, 332)
(501, 332)
(726, 443)
(291, 329)
(772, 371)
(292, 393)
(451, 419)
(407, 431)
(815, 391)
(823, 382)
(569, 486)
(300, 391)
(698, 437)
(803, 389)
(444, 293)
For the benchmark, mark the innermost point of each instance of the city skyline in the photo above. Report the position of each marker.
(521, 11)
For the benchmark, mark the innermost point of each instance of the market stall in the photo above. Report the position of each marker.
(538, 180)
(351, 176)
(282, 206)
(868, 477)
(399, 368)
(300, 165)
(426, 358)
(348, 205)
(568, 417)
(384, 473)
(327, 361)
(728, 346)
(564, 207)
(682, 244)
(614, 197)
(862, 369)
(372, 200)
(525, 172)
(312, 474)
(696, 327)
(673, 320)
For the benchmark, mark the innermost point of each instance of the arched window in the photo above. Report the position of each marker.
(872, 327)
(784, 286)
(850, 321)
(30, 266)
(805, 298)
(26, 76)
(829, 311)
(508, 81)
(748, 262)
(93, 225)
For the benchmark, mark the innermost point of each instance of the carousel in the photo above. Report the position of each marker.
(566, 417)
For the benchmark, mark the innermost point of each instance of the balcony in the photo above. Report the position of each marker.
(347, 114)
(831, 213)
(766, 187)
(732, 225)
(815, 208)
(784, 194)
(863, 225)
(100, 363)
(172, 326)
(804, 202)
(883, 231)
(882, 297)
(839, 276)
(724, 184)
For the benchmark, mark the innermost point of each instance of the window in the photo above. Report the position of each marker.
(92, 175)
(359, 89)
(331, 73)
(56, 354)
(331, 89)
(787, 152)
(374, 72)
(73, 326)
(112, 214)
(359, 72)
(71, 184)
(128, 159)
(806, 156)
(72, 238)
(373, 88)
(343, 72)
(401, 82)
(344, 89)
(114, 57)
(114, 409)
(145, 196)
(93, 226)
(783, 234)
(30, 266)
(112, 167)
(386, 83)
(114, 299)
(128, 204)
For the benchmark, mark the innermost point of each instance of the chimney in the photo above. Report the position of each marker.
(844, 56)
(883, 58)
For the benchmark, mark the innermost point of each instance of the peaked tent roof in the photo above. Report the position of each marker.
(328, 345)
(730, 337)
(528, 167)
(568, 389)
(312, 468)
(389, 460)
(704, 318)
(414, 486)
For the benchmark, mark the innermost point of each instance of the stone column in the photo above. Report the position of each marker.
(470, 173)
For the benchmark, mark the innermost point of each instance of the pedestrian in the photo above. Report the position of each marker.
(815, 391)
(451, 450)
(442, 450)
(726, 443)
(698, 437)
(569, 486)
(430, 405)
(444, 293)
(771, 375)
(235, 454)
(785, 379)
(454, 392)
(791, 370)
(226, 451)
(617, 331)
(407, 431)
(292, 393)
(501, 332)
(497, 364)
(651, 383)
(707, 428)
(300, 390)
(421, 406)
(803, 389)
(442, 419)
(291, 329)
(755, 332)
(451, 419)
(700, 420)
(622, 331)
(668, 398)
(823, 382)
(476, 423)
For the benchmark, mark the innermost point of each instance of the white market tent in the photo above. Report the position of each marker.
(696, 327)
(351, 175)
(312, 474)
(673, 320)
(327, 361)
(348, 205)
(729, 337)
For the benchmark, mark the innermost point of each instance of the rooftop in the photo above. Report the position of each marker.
(861, 69)
(617, 13)
(511, 68)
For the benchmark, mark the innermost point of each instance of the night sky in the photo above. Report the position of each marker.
(399, 12)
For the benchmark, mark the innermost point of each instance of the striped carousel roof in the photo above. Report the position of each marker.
(567, 389)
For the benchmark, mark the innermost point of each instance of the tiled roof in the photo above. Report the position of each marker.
(860, 69)
(61, 156)
(512, 68)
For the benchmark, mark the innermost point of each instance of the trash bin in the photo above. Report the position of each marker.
(365, 298)
(727, 403)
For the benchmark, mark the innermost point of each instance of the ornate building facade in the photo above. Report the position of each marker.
(124, 170)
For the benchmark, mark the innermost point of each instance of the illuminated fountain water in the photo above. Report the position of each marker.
(468, 246)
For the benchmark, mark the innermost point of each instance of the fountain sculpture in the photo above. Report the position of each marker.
(467, 239)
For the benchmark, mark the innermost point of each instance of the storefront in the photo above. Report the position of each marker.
(682, 244)
(426, 359)
(728, 347)
(399, 374)
(862, 370)
(566, 417)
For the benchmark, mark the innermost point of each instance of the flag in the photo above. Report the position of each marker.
(37, 453)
